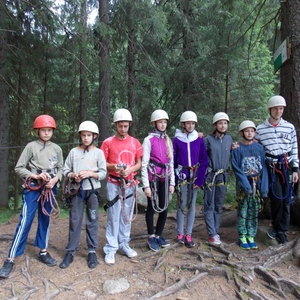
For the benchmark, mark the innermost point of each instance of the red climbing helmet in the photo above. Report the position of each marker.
(43, 121)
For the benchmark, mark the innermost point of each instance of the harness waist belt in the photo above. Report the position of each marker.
(220, 170)
(38, 171)
(156, 163)
(278, 156)
(187, 167)
(117, 178)
(114, 201)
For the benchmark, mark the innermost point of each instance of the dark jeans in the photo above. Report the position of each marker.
(162, 216)
(280, 201)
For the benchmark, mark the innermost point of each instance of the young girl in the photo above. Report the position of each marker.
(158, 177)
(190, 163)
(248, 164)
(218, 145)
(85, 166)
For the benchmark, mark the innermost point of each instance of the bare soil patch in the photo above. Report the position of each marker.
(202, 272)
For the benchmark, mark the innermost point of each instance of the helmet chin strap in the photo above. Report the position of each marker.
(274, 118)
(248, 140)
(161, 132)
(86, 149)
(188, 132)
(221, 132)
(44, 142)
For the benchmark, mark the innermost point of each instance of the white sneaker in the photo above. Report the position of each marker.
(215, 240)
(110, 258)
(126, 250)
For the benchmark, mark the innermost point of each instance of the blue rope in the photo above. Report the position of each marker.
(290, 190)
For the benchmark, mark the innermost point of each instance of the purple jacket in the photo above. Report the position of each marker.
(155, 149)
(188, 151)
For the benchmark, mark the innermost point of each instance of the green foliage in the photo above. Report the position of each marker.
(205, 56)
(6, 215)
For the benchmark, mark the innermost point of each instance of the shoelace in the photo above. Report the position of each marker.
(188, 238)
(243, 240)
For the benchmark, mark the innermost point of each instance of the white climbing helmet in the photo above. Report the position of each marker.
(122, 114)
(247, 124)
(188, 116)
(276, 101)
(159, 114)
(88, 126)
(220, 116)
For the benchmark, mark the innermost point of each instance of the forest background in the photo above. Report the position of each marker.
(177, 55)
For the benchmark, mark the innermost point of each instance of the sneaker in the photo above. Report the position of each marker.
(110, 258)
(251, 242)
(162, 242)
(6, 269)
(281, 238)
(47, 259)
(188, 242)
(92, 260)
(126, 250)
(272, 233)
(180, 238)
(153, 244)
(243, 243)
(68, 259)
(215, 239)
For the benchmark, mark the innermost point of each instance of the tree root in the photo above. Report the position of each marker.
(29, 293)
(169, 290)
(161, 260)
(178, 286)
(27, 276)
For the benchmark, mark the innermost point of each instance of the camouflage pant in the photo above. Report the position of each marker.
(247, 216)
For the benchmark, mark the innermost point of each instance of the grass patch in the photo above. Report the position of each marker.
(7, 214)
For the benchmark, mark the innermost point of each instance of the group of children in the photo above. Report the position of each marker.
(189, 162)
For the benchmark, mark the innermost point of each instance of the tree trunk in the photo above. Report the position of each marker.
(4, 112)
(83, 76)
(104, 73)
(186, 52)
(290, 72)
(131, 58)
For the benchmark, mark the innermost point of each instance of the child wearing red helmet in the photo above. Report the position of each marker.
(40, 165)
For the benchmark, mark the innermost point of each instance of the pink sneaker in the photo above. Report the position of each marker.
(180, 238)
(215, 239)
(188, 241)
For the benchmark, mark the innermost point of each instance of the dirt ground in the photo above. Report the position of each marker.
(30, 279)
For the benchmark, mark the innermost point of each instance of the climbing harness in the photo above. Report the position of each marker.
(156, 177)
(70, 188)
(124, 184)
(280, 165)
(215, 174)
(255, 196)
(182, 181)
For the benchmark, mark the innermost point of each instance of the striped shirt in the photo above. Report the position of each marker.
(279, 140)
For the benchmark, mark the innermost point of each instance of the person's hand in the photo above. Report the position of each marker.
(171, 189)
(147, 192)
(126, 172)
(235, 145)
(201, 134)
(52, 182)
(84, 174)
(43, 176)
(295, 177)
